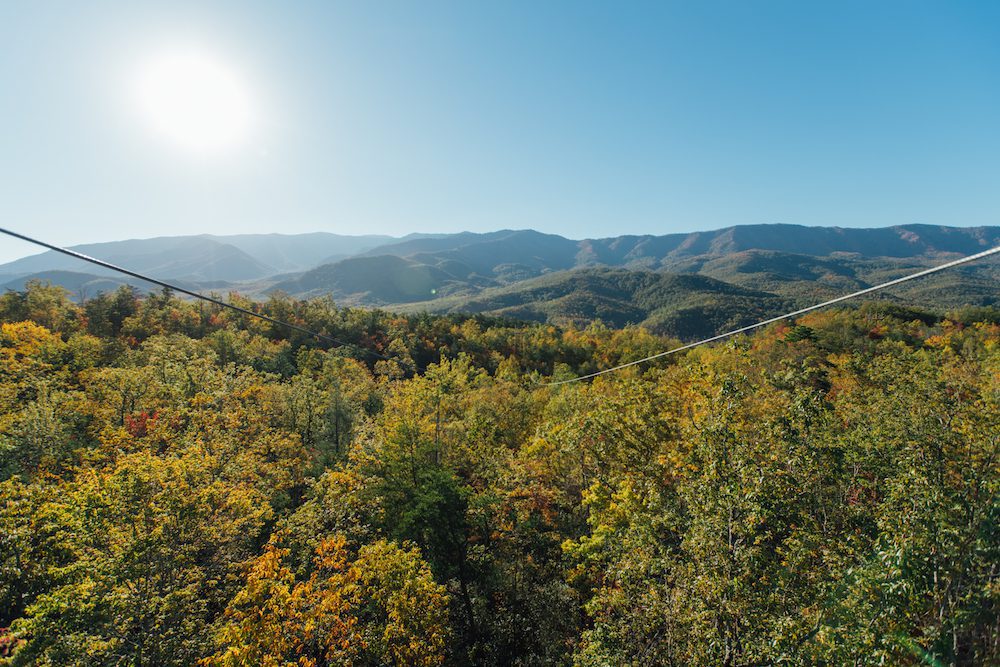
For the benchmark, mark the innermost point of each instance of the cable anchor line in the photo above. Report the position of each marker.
(182, 290)
(795, 313)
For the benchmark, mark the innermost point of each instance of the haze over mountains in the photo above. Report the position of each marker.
(199, 258)
(682, 284)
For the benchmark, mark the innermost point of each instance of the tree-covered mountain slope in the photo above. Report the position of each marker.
(552, 252)
(445, 272)
(679, 305)
(381, 280)
(801, 263)
(805, 277)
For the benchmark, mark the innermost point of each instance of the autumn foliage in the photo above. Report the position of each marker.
(182, 486)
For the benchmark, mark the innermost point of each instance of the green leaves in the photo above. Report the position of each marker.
(180, 489)
(152, 544)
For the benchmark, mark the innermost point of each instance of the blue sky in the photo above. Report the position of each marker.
(582, 119)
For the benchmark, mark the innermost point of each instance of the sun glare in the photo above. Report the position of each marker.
(195, 102)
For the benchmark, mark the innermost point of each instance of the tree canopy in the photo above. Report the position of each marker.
(184, 485)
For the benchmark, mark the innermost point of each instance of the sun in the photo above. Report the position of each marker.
(195, 101)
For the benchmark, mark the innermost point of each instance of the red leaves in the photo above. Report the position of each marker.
(138, 425)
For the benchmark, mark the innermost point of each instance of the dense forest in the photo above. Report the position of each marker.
(184, 485)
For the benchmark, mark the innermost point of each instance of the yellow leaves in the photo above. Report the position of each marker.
(330, 554)
(275, 620)
(325, 618)
(941, 341)
(26, 339)
(28, 353)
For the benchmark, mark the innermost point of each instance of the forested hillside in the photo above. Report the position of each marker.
(467, 272)
(182, 485)
(687, 306)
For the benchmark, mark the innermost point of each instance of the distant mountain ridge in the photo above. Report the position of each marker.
(298, 252)
(233, 258)
(186, 257)
(559, 252)
(526, 273)
(250, 256)
(898, 241)
(787, 259)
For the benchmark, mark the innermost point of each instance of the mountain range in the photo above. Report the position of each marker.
(683, 284)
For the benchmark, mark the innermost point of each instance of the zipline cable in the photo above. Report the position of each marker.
(176, 288)
(801, 311)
